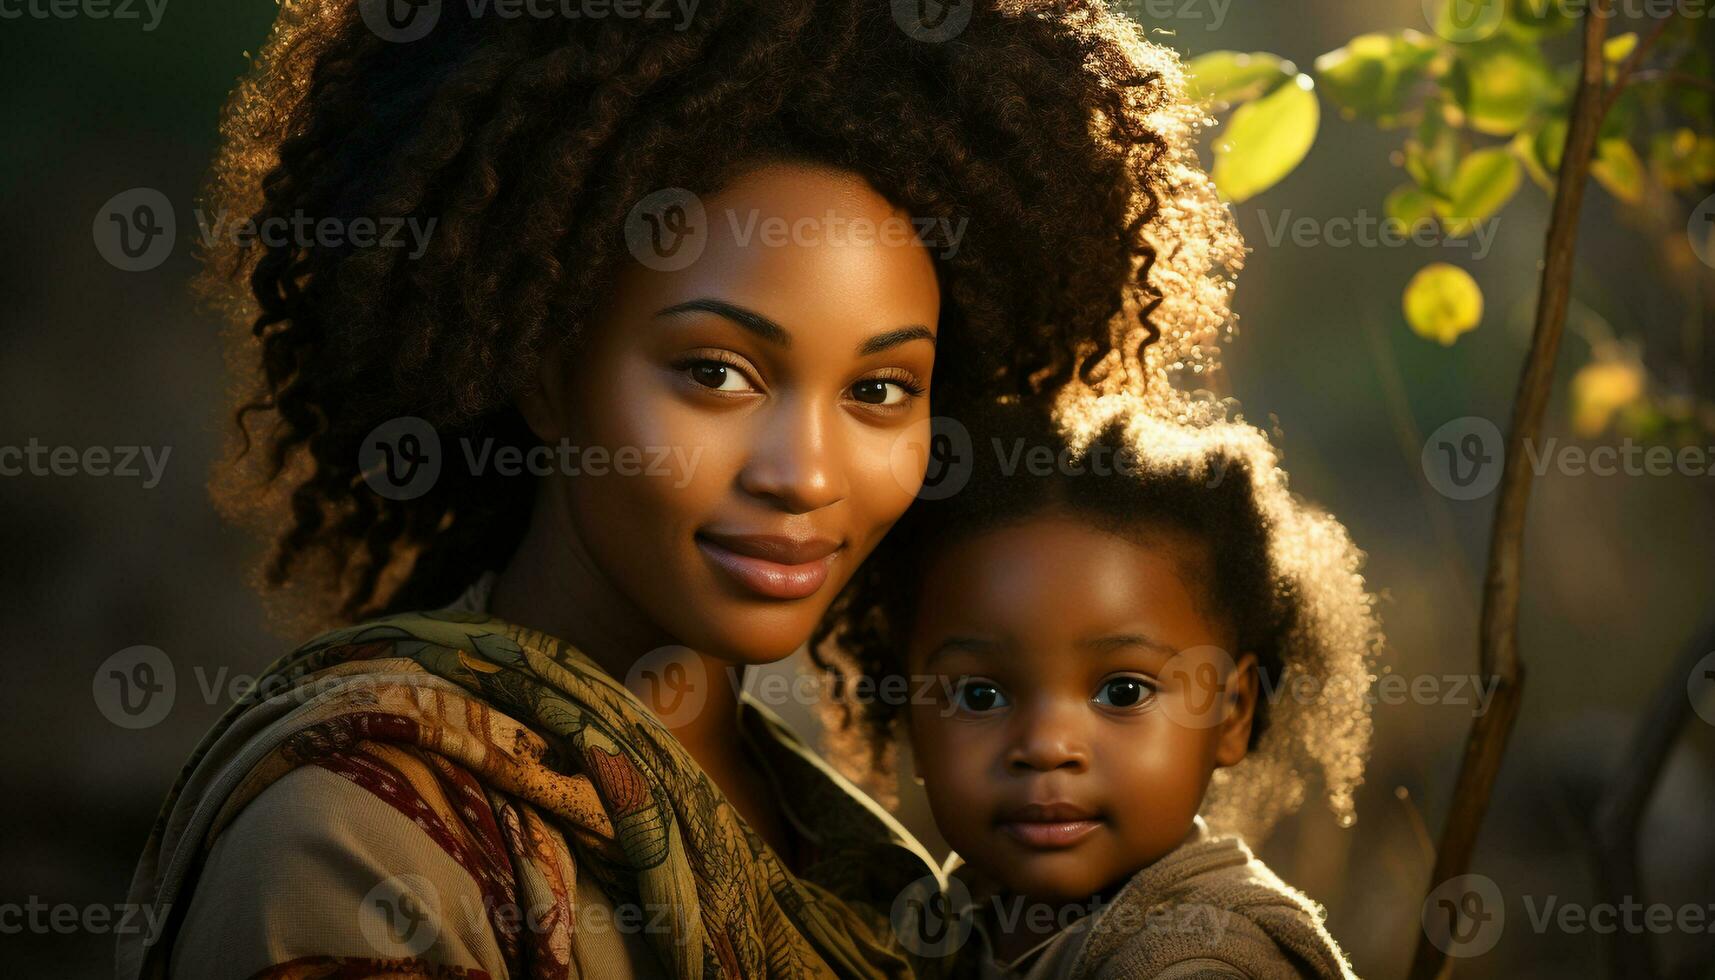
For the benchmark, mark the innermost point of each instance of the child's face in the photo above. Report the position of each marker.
(1091, 699)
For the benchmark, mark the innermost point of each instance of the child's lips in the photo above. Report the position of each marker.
(1049, 835)
(1049, 826)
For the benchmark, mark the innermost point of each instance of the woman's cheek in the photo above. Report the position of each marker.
(885, 475)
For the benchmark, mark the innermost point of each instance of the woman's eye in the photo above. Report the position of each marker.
(1124, 692)
(979, 696)
(719, 376)
(875, 391)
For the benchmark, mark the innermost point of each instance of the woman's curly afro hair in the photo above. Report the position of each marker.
(1060, 137)
(1281, 574)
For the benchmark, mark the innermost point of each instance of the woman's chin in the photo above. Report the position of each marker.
(749, 639)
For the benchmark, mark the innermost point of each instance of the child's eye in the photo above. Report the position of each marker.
(1124, 692)
(979, 696)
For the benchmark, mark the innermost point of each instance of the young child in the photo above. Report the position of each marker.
(1104, 621)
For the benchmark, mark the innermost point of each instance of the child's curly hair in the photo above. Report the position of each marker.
(1054, 129)
(1283, 575)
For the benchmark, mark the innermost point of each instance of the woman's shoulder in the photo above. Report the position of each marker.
(318, 870)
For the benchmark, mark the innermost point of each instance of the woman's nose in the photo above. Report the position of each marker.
(796, 463)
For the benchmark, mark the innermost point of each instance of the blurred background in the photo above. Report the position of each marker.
(1619, 570)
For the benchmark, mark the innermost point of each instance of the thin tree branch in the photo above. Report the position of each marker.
(1674, 78)
(1623, 76)
(1498, 631)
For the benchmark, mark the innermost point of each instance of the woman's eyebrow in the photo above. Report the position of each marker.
(893, 338)
(750, 320)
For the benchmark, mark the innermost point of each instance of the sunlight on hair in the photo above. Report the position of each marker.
(1320, 717)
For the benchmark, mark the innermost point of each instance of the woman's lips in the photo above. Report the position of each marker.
(772, 567)
(1049, 835)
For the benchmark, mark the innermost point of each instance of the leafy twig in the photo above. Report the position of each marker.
(1623, 75)
(1498, 636)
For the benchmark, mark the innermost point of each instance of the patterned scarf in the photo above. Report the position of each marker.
(572, 774)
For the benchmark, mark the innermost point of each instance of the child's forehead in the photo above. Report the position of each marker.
(1064, 582)
(1067, 540)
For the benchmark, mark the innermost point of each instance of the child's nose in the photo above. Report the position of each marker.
(1047, 741)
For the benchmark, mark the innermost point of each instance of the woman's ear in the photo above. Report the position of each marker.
(544, 405)
(1241, 697)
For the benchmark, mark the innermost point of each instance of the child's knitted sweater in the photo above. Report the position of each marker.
(1209, 909)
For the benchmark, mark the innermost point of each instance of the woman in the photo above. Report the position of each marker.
(661, 274)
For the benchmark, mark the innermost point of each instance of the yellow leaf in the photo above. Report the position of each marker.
(1618, 168)
(1441, 302)
(1601, 388)
(1619, 47)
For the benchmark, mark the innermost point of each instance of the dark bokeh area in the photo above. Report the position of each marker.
(1619, 571)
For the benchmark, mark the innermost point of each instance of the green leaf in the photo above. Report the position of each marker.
(1410, 205)
(1266, 139)
(1374, 74)
(1500, 83)
(1486, 181)
(1620, 120)
(1550, 143)
(1441, 302)
(1432, 155)
(1523, 147)
(1231, 77)
(1618, 168)
(1464, 21)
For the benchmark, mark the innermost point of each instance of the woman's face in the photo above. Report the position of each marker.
(756, 410)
